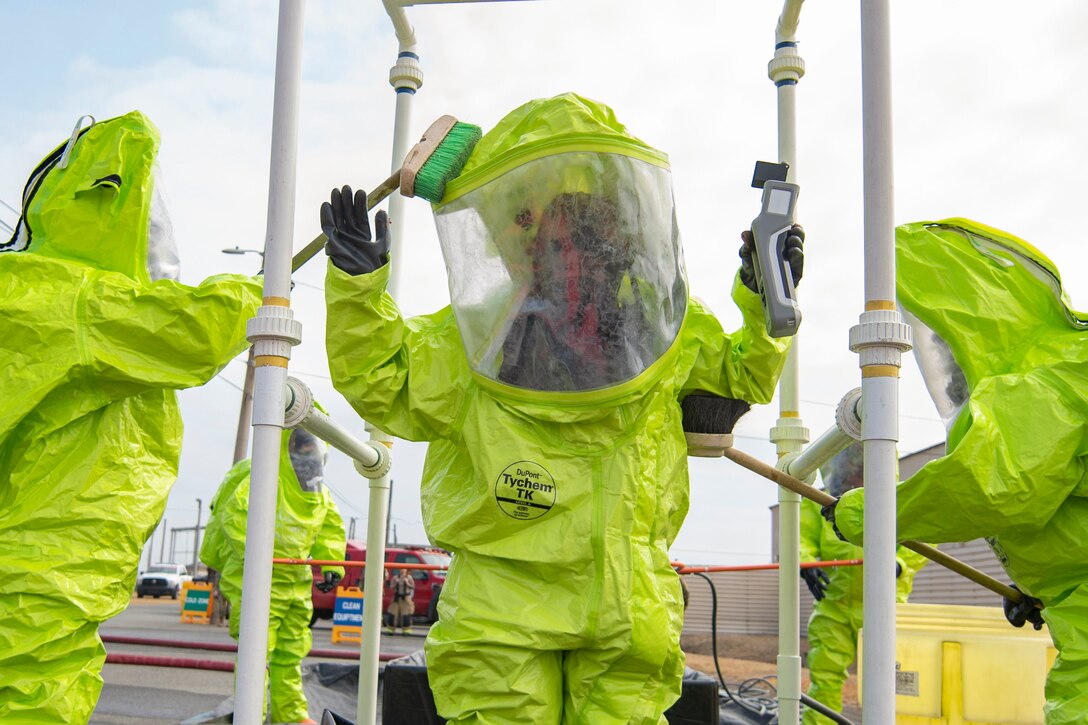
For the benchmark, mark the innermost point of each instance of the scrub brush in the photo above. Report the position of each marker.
(439, 156)
(708, 422)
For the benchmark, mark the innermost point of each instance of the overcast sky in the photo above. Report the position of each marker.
(989, 122)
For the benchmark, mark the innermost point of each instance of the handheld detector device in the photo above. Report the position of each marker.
(769, 231)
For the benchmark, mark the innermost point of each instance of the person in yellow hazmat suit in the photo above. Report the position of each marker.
(308, 526)
(1004, 357)
(837, 613)
(95, 337)
(550, 393)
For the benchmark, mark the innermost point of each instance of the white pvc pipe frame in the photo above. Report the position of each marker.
(880, 339)
(789, 433)
(272, 333)
(880, 432)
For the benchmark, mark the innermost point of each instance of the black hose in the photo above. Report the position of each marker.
(740, 699)
(714, 649)
(825, 710)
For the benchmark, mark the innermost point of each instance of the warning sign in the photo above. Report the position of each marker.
(196, 602)
(906, 682)
(525, 490)
(347, 617)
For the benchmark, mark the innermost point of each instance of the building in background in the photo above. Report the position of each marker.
(748, 601)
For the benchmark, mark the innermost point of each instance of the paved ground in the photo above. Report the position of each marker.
(150, 695)
(145, 695)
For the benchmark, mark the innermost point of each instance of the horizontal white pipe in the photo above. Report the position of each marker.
(332, 433)
(819, 452)
(302, 413)
(409, 3)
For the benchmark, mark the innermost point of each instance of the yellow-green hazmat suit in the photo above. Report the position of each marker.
(1005, 358)
(308, 526)
(91, 351)
(835, 620)
(549, 392)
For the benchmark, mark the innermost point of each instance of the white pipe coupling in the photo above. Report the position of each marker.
(789, 430)
(805, 471)
(274, 331)
(407, 73)
(881, 338)
(372, 460)
(848, 414)
(786, 65)
(299, 403)
(381, 466)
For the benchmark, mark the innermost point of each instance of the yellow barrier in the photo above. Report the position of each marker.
(966, 666)
(196, 602)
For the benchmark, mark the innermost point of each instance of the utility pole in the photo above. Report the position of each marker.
(245, 413)
(196, 538)
(150, 549)
(162, 544)
(241, 451)
(389, 511)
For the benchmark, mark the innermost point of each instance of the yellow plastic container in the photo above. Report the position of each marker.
(966, 666)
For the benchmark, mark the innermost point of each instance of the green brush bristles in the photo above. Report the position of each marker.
(447, 161)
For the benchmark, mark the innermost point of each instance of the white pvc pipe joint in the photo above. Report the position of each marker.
(372, 460)
(837, 438)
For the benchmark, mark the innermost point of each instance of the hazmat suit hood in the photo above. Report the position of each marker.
(996, 307)
(95, 200)
(561, 245)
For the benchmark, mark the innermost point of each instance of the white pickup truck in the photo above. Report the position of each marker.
(160, 579)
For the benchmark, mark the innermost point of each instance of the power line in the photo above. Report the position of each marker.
(901, 415)
(228, 382)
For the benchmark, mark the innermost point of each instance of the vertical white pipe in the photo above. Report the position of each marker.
(401, 130)
(880, 339)
(789, 503)
(406, 78)
(789, 433)
(272, 333)
(373, 582)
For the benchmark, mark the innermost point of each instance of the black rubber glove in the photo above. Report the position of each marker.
(792, 251)
(817, 581)
(345, 223)
(828, 512)
(1027, 610)
(329, 582)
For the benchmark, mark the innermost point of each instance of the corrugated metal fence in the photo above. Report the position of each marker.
(748, 600)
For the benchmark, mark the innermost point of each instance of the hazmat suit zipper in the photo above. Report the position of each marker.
(22, 235)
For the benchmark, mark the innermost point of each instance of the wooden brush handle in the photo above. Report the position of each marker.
(932, 553)
(374, 198)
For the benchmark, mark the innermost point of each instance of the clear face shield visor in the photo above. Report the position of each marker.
(566, 273)
(307, 454)
(163, 261)
(943, 376)
(845, 471)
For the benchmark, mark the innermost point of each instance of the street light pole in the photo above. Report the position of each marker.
(196, 538)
